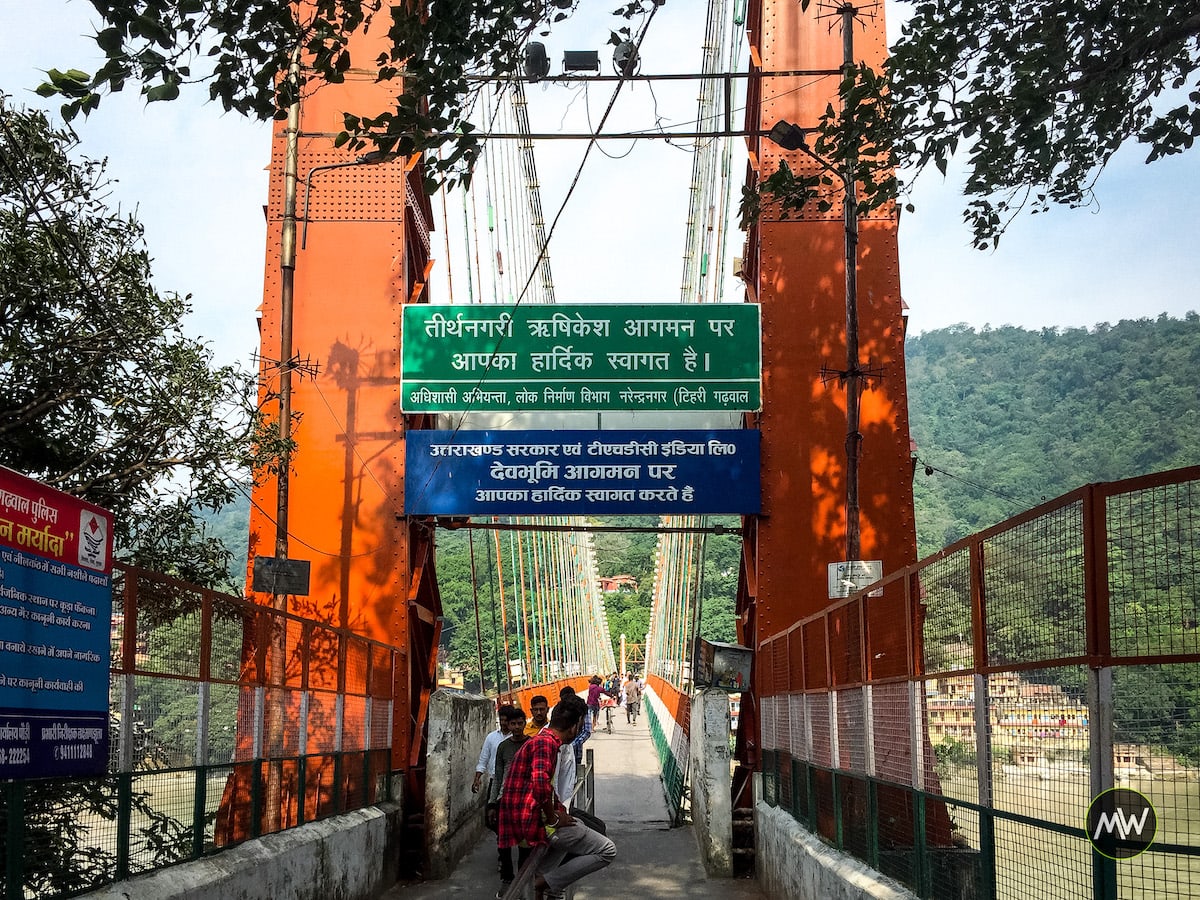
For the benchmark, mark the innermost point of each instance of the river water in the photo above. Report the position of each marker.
(1039, 863)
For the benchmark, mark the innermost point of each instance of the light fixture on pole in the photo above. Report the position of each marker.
(791, 137)
(537, 62)
(788, 136)
(370, 158)
(626, 60)
(581, 61)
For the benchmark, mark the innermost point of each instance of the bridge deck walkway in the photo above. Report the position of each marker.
(654, 860)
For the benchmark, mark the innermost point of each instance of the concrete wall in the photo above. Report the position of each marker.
(793, 863)
(458, 723)
(353, 856)
(712, 805)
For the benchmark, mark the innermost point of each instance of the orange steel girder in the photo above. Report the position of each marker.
(362, 253)
(797, 267)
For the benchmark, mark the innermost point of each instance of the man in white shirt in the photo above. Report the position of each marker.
(487, 756)
(564, 772)
(564, 776)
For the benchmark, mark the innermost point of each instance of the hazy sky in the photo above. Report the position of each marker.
(197, 179)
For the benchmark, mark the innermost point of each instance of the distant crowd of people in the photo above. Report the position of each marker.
(530, 767)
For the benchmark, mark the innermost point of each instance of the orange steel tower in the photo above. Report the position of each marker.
(797, 266)
(361, 252)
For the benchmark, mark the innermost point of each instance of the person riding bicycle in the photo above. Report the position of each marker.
(608, 704)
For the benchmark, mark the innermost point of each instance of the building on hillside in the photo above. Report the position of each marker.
(1029, 722)
(625, 584)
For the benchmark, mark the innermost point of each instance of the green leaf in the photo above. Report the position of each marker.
(110, 40)
(168, 91)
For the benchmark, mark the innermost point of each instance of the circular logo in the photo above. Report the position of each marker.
(1121, 823)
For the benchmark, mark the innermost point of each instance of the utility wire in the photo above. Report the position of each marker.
(586, 153)
(545, 245)
(930, 469)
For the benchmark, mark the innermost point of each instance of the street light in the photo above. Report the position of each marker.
(791, 137)
(370, 158)
(788, 136)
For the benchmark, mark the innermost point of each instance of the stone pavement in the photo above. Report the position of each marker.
(654, 860)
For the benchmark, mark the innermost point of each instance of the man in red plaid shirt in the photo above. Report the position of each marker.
(531, 814)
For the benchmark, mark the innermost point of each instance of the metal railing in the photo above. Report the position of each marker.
(1047, 659)
(229, 720)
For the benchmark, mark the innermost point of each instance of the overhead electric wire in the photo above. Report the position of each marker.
(586, 153)
(543, 250)
(587, 110)
(930, 469)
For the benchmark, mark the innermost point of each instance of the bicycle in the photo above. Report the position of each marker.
(607, 704)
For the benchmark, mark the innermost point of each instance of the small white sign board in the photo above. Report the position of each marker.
(847, 577)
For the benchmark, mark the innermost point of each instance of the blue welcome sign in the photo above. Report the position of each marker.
(55, 615)
(579, 473)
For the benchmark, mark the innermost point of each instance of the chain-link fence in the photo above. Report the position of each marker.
(1047, 659)
(229, 720)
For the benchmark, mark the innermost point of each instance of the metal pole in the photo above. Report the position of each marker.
(503, 615)
(853, 385)
(475, 597)
(287, 266)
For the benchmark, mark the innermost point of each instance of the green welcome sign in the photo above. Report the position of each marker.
(582, 357)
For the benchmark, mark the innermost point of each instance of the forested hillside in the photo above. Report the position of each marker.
(1004, 418)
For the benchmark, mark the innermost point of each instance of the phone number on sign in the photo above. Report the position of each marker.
(14, 756)
(73, 751)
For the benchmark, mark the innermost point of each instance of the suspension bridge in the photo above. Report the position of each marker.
(892, 704)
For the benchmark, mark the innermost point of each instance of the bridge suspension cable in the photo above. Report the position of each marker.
(708, 219)
(503, 221)
(675, 601)
(551, 618)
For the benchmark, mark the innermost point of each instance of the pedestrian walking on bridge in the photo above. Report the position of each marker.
(487, 756)
(505, 753)
(633, 699)
(595, 692)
